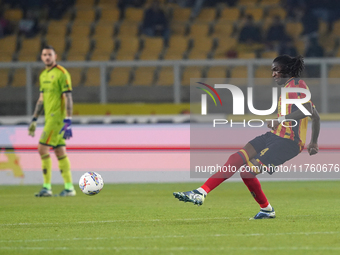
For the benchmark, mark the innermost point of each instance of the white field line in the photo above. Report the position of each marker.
(165, 237)
(179, 248)
(122, 221)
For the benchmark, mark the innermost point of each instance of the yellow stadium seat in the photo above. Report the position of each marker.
(300, 46)
(144, 76)
(120, 76)
(30, 49)
(84, 3)
(108, 4)
(206, 15)
(4, 73)
(224, 44)
(13, 14)
(277, 11)
(103, 50)
(103, 30)
(239, 75)
(181, 14)
(76, 75)
(178, 45)
(80, 29)
(202, 46)
(269, 54)
(92, 77)
(19, 78)
(328, 42)
(230, 14)
(217, 72)
(199, 30)
(134, 14)
(128, 48)
(79, 49)
(178, 28)
(239, 72)
(223, 29)
(165, 77)
(189, 73)
(152, 49)
(257, 13)
(248, 3)
(270, 2)
(246, 55)
(294, 29)
(57, 43)
(109, 15)
(128, 29)
(57, 28)
(86, 15)
(263, 76)
(7, 48)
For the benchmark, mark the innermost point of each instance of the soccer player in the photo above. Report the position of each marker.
(56, 101)
(273, 148)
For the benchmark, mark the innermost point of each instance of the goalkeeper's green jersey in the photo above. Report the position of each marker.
(53, 83)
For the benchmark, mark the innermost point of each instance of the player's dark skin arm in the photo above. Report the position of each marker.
(68, 104)
(39, 107)
(313, 147)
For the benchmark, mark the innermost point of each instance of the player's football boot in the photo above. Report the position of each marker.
(193, 196)
(67, 193)
(264, 215)
(44, 193)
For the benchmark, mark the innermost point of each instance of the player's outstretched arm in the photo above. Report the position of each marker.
(313, 147)
(68, 120)
(39, 107)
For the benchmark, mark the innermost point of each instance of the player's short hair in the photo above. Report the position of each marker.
(291, 66)
(48, 47)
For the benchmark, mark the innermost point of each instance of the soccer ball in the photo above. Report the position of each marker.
(91, 183)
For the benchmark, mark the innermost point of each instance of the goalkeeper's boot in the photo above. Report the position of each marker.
(44, 192)
(193, 196)
(67, 193)
(263, 214)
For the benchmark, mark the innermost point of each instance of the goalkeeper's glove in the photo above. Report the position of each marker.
(67, 128)
(32, 127)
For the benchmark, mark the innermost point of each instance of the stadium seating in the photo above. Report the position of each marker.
(199, 30)
(19, 77)
(7, 48)
(165, 77)
(223, 29)
(223, 46)
(230, 14)
(294, 29)
(206, 15)
(181, 14)
(76, 75)
(152, 48)
(257, 13)
(109, 15)
(30, 49)
(79, 49)
(217, 72)
(178, 46)
(263, 76)
(4, 74)
(92, 77)
(120, 76)
(13, 14)
(201, 48)
(103, 49)
(128, 48)
(191, 72)
(144, 76)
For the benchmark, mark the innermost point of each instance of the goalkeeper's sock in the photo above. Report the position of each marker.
(65, 170)
(47, 170)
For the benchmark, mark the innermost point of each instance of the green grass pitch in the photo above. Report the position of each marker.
(147, 219)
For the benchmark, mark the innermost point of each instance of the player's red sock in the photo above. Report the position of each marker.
(255, 189)
(234, 162)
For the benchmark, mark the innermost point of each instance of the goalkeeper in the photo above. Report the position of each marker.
(56, 101)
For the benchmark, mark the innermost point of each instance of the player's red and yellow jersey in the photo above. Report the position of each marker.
(297, 133)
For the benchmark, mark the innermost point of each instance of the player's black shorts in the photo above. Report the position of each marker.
(273, 150)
